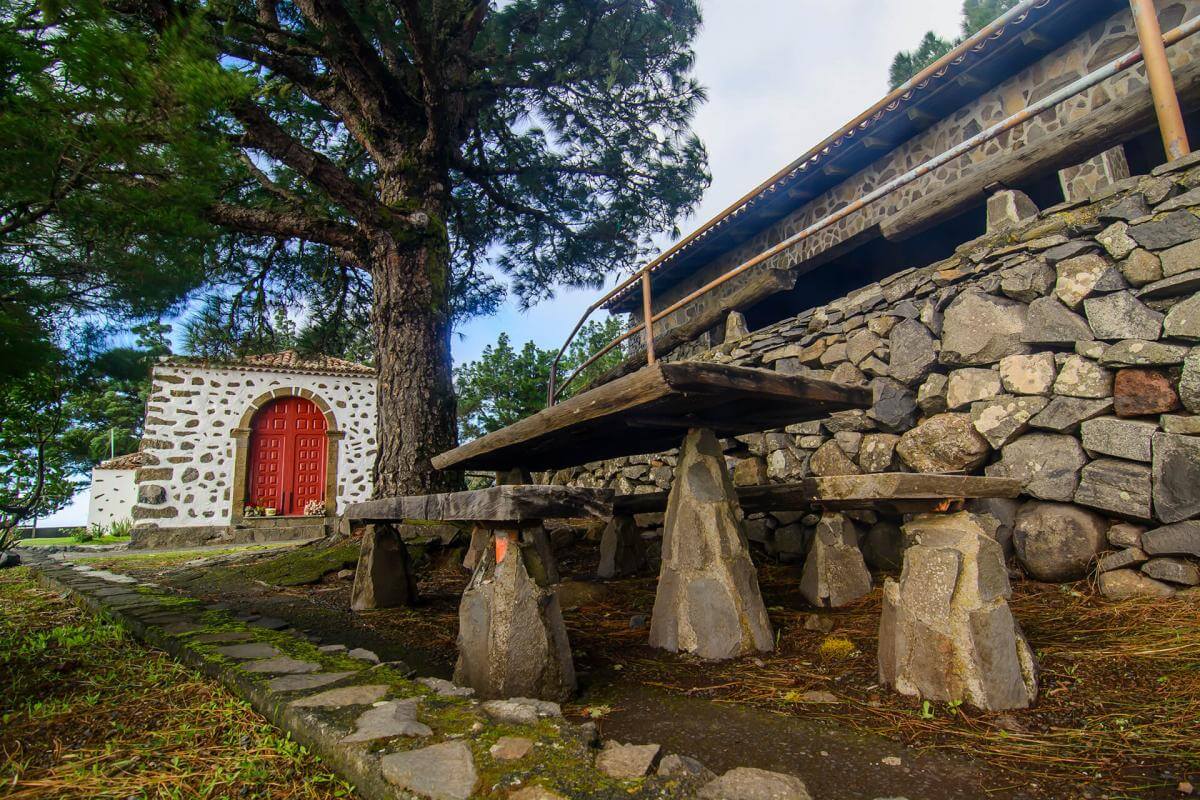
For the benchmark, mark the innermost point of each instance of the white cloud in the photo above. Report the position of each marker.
(781, 76)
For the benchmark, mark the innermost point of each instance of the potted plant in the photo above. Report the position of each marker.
(270, 511)
(251, 511)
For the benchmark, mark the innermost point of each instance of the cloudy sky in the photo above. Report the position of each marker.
(781, 76)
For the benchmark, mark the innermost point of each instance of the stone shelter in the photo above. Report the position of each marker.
(114, 490)
(263, 448)
(1027, 310)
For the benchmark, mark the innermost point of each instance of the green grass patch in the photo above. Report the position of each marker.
(48, 541)
(86, 711)
(303, 565)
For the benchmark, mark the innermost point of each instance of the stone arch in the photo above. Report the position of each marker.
(241, 436)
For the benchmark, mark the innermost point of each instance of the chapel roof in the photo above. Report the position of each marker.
(283, 361)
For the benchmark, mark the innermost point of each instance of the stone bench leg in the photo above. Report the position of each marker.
(946, 633)
(511, 638)
(622, 551)
(708, 600)
(481, 538)
(835, 573)
(383, 578)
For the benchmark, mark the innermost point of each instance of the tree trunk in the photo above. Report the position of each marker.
(411, 319)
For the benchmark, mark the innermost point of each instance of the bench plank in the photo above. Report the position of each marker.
(498, 504)
(648, 411)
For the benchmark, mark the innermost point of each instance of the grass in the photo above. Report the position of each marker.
(86, 711)
(133, 560)
(304, 565)
(48, 541)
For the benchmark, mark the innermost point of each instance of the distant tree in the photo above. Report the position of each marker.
(107, 396)
(35, 469)
(979, 13)
(975, 15)
(908, 63)
(506, 385)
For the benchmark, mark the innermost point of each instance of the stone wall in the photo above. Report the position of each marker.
(191, 418)
(1104, 41)
(1063, 351)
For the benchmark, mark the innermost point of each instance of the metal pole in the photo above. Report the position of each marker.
(1162, 85)
(648, 315)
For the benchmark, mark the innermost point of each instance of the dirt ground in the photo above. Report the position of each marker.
(1116, 715)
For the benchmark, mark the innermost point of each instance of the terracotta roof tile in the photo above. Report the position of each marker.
(283, 361)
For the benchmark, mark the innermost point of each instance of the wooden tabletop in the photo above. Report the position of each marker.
(649, 411)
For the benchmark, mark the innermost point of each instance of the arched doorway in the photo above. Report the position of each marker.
(287, 459)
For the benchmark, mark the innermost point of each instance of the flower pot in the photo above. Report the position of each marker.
(271, 512)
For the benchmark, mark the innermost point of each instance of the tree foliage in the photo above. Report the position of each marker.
(975, 15)
(506, 385)
(98, 219)
(402, 163)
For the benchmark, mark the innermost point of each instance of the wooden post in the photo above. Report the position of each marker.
(648, 316)
(1162, 85)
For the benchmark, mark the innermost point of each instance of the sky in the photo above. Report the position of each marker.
(781, 76)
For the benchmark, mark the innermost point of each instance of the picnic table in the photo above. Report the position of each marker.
(512, 640)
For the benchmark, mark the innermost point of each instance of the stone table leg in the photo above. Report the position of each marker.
(383, 578)
(622, 551)
(511, 637)
(708, 601)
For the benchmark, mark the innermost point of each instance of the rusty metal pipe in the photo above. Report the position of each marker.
(1115, 66)
(1162, 85)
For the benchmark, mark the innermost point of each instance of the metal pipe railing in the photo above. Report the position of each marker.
(1158, 73)
(1103, 73)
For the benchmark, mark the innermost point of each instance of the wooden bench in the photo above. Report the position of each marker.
(513, 506)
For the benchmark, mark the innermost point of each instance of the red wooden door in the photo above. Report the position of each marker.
(287, 456)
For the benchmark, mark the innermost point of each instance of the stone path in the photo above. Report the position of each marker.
(391, 734)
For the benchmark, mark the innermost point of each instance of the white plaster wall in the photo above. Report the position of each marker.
(113, 496)
(188, 438)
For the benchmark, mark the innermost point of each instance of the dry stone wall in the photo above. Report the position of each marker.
(1063, 351)
(190, 449)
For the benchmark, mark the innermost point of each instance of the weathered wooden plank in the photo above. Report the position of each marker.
(498, 504)
(898, 490)
(642, 413)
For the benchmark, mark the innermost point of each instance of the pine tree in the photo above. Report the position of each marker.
(432, 150)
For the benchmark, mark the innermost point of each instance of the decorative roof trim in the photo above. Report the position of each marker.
(284, 361)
